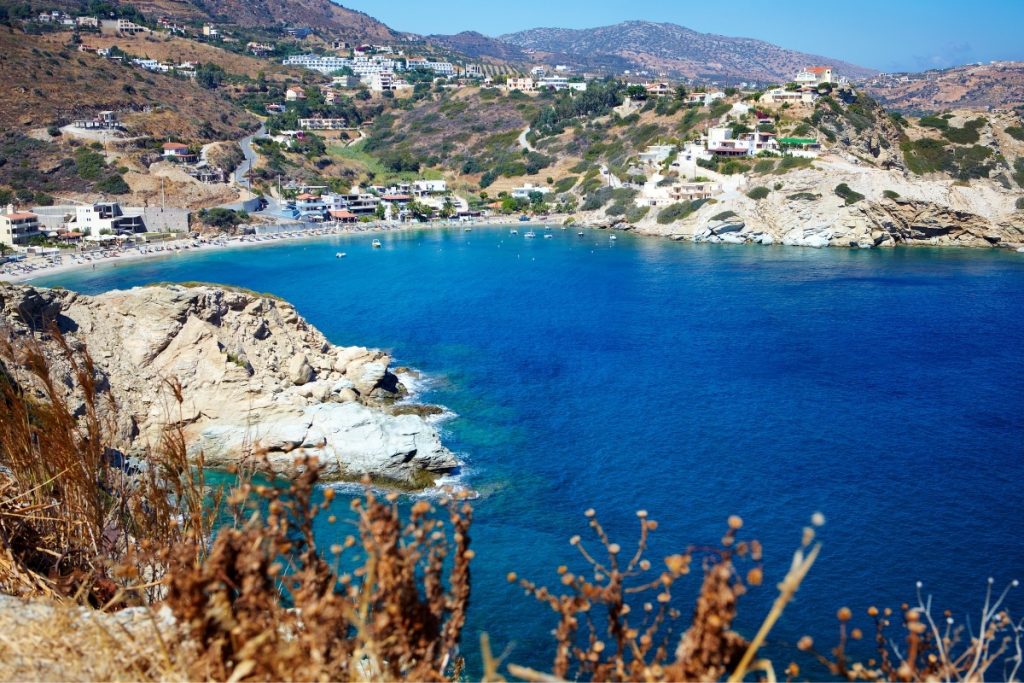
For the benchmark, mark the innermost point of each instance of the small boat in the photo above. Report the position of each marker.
(375, 244)
(612, 237)
(548, 235)
(467, 229)
(580, 233)
(530, 234)
(513, 231)
(340, 254)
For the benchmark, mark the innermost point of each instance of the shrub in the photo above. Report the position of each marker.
(764, 166)
(967, 135)
(933, 122)
(722, 216)
(1020, 203)
(848, 195)
(565, 184)
(636, 213)
(615, 210)
(1016, 132)
(758, 193)
(927, 156)
(113, 184)
(890, 194)
(676, 212)
(790, 163)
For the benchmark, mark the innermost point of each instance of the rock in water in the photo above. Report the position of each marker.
(252, 374)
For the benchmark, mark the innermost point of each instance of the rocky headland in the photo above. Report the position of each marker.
(254, 378)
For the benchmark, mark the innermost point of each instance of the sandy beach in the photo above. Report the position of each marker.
(34, 267)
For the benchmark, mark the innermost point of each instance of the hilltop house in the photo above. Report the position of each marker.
(781, 95)
(814, 75)
(121, 27)
(294, 93)
(692, 191)
(323, 124)
(17, 227)
(176, 151)
(721, 142)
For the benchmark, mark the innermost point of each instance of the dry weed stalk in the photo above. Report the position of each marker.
(264, 604)
(933, 648)
(640, 647)
(76, 519)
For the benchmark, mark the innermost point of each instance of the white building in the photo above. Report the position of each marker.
(813, 76)
(424, 187)
(107, 218)
(17, 227)
(527, 189)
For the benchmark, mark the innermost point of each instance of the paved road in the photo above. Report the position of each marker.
(250, 157)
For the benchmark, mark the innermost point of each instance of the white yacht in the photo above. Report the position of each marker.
(375, 244)
(530, 234)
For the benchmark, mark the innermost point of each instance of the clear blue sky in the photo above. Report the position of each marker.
(891, 35)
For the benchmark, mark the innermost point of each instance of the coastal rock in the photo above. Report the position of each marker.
(299, 370)
(251, 374)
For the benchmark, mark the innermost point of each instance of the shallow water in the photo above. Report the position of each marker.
(882, 388)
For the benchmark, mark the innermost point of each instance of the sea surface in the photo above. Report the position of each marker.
(884, 389)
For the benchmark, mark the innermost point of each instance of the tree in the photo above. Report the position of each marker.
(448, 208)
(636, 92)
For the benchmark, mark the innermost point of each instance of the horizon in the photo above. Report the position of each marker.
(945, 35)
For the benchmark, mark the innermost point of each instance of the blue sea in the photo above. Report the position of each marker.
(884, 389)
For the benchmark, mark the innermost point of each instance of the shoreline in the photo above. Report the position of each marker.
(184, 245)
(172, 248)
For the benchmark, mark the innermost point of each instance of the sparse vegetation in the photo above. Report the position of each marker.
(758, 193)
(848, 195)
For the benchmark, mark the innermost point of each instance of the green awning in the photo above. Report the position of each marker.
(797, 141)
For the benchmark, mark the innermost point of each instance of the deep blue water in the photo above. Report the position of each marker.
(882, 388)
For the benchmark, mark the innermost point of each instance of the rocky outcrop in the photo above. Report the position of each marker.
(897, 208)
(253, 376)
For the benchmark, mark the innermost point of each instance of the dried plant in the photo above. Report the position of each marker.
(640, 647)
(76, 518)
(265, 604)
(930, 647)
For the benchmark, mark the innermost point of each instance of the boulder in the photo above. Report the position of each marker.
(299, 371)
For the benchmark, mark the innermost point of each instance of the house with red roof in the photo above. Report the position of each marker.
(176, 151)
(18, 227)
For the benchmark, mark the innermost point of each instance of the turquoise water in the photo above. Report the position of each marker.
(882, 388)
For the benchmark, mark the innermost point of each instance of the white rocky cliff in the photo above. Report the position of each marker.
(254, 377)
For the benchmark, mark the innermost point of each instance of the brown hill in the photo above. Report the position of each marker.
(49, 84)
(975, 86)
(672, 49)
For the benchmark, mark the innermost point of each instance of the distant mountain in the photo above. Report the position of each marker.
(974, 86)
(671, 49)
(478, 46)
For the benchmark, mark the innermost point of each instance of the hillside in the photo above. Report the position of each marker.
(672, 49)
(478, 46)
(975, 86)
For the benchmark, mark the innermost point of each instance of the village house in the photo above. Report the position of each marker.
(323, 124)
(342, 216)
(210, 31)
(781, 95)
(294, 93)
(121, 27)
(422, 188)
(107, 218)
(520, 84)
(527, 189)
(658, 89)
(308, 204)
(814, 76)
(105, 120)
(176, 151)
(259, 49)
(692, 191)
(87, 22)
(18, 227)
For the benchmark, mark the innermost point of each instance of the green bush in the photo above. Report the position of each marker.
(675, 212)
(758, 193)
(636, 213)
(804, 196)
(848, 195)
(722, 216)
(1016, 132)
(790, 163)
(933, 122)
(90, 164)
(968, 135)
(890, 194)
(927, 156)
(565, 184)
(764, 166)
(1020, 203)
(615, 210)
(113, 184)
